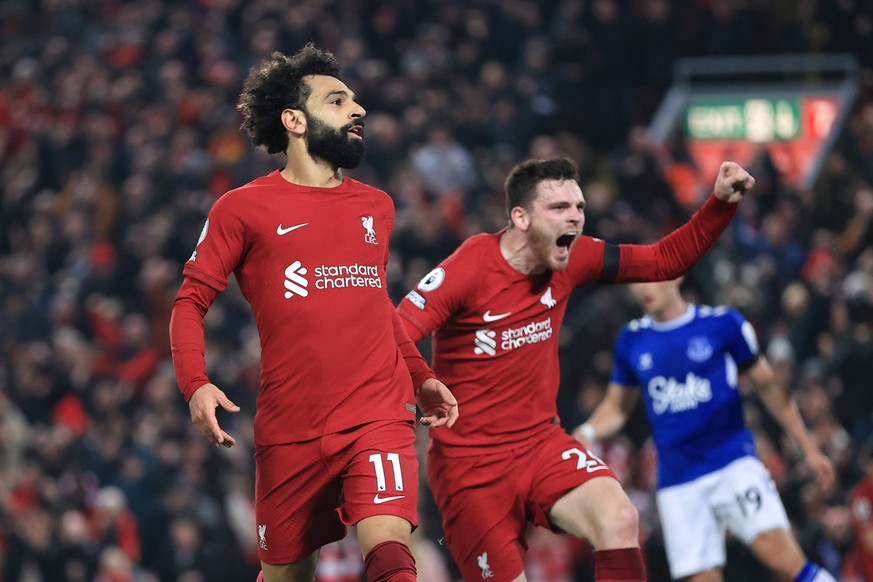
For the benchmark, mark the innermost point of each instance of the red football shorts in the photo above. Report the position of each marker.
(307, 493)
(487, 500)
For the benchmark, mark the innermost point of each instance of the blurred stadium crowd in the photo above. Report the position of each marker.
(118, 130)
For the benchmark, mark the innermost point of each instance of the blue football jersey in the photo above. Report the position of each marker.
(687, 369)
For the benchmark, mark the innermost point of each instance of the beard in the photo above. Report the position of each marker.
(543, 244)
(333, 145)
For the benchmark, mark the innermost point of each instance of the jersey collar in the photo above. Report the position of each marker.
(676, 321)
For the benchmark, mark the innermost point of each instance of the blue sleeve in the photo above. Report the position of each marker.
(742, 341)
(623, 372)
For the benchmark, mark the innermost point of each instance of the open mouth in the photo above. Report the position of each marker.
(357, 130)
(565, 241)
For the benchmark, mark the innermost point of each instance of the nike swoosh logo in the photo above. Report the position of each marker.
(280, 231)
(377, 500)
(488, 317)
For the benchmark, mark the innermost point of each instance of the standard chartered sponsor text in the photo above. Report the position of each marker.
(342, 276)
(533, 332)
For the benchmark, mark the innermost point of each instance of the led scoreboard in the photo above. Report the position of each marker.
(792, 129)
(732, 109)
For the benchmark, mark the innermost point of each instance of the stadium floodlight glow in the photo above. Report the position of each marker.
(792, 106)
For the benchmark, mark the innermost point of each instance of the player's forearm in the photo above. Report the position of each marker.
(188, 346)
(608, 418)
(605, 422)
(418, 368)
(611, 414)
(784, 410)
(187, 343)
(681, 249)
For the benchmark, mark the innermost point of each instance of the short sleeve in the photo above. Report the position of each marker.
(623, 372)
(742, 343)
(587, 260)
(439, 295)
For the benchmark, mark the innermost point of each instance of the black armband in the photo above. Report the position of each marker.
(611, 258)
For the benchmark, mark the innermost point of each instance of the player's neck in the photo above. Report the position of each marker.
(304, 170)
(670, 311)
(517, 252)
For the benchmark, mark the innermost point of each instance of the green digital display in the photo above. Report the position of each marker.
(753, 120)
(790, 108)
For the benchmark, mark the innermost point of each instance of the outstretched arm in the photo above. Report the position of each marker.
(609, 416)
(784, 410)
(679, 251)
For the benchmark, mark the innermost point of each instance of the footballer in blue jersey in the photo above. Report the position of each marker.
(686, 361)
(688, 369)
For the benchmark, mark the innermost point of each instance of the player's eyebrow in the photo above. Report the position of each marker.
(581, 204)
(341, 93)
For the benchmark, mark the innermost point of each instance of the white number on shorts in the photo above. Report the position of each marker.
(585, 460)
(394, 459)
(750, 501)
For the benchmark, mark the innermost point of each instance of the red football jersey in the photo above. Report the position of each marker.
(311, 262)
(495, 342)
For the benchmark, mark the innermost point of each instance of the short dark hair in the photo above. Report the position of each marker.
(522, 181)
(278, 84)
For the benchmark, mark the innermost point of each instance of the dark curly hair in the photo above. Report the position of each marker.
(278, 84)
(522, 181)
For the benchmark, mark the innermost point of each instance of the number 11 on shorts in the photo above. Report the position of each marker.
(394, 459)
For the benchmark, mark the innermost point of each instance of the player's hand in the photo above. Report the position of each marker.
(438, 406)
(822, 468)
(583, 433)
(732, 182)
(202, 405)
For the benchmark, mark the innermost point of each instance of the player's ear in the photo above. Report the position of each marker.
(294, 121)
(520, 218)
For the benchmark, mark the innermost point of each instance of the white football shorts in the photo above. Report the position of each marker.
(740, 497)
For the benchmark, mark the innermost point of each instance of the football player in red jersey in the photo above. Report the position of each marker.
(334, 429)
(495, 307)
